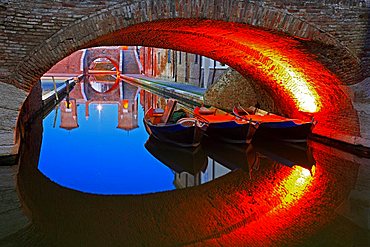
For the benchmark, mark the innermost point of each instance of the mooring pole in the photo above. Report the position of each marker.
(55, 89)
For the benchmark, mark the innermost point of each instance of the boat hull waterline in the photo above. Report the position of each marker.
(275, 127)
(184, 136)
(227, 127)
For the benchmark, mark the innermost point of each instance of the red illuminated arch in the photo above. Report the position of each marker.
(301, 86)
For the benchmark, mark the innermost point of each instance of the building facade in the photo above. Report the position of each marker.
(180, 66)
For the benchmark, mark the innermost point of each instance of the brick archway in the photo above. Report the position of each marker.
(113, 62)
(87, 27)
(301, 86)
(269, 16)
(113, 55)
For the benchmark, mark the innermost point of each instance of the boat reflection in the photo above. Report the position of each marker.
(249, 157)
(192, 160)
(232, 156)
(285, 153)
(192, 167)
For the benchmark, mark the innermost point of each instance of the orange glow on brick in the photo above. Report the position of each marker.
(278, 67)
(300, 85)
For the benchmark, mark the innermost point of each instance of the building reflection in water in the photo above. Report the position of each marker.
(90, 92)
(103, 83)
(68, 109)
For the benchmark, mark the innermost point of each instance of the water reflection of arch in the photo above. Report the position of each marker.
(122, 91)
(230, 210)
(113, 94)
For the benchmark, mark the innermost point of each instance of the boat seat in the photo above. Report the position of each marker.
(187, 121)
(205, 111)
(168, 110)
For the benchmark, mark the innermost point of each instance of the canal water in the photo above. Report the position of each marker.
(90, 175)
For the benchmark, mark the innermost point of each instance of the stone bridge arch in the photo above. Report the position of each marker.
(112, 54)
(282, 19)
(264, 14)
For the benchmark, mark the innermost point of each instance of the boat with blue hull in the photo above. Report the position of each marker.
(184, 131)
(225, 126)
(276, 127)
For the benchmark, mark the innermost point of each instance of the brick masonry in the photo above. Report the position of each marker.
(111, 53)
(36, 35)
(232, 88)
(69, 65)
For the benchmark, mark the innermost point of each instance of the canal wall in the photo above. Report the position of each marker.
(232, 88)
(70, 65)
(12, 218)
(181, 67)
(33, 105)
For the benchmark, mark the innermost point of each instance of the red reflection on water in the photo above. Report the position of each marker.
(294, 186)
(290, 205)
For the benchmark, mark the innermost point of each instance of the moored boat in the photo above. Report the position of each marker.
(225, 126)
(273, 126)
(184, 130)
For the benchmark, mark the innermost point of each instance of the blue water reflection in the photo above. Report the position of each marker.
(97, 157)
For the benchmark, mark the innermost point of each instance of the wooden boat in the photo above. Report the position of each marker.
(273, 126)
(192, 160)
(185, 131)
(225, 126)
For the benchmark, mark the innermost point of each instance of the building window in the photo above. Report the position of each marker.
(196, 59)
(159, 58)
(180, 57)
(169, 56)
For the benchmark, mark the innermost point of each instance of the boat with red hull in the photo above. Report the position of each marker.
(225, 126)
(276, 127)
